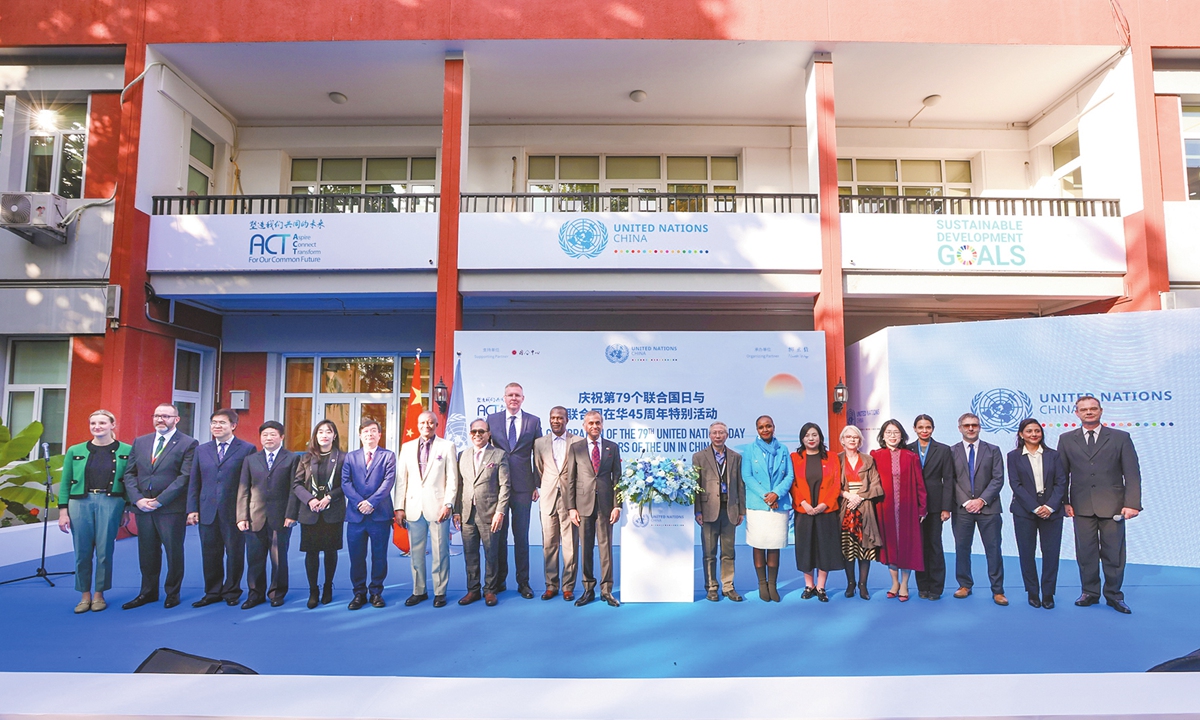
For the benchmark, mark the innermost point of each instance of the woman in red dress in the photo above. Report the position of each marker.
(903, 506)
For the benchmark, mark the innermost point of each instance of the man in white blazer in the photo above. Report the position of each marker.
(426, 486)
(550, 463)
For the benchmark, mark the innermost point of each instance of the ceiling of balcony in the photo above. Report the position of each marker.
(702, 82)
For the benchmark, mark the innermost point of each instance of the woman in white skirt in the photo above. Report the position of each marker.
(767, 472)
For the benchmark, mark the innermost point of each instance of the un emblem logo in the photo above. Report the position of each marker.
(1001, 409)
(641, 521)
(583, 238)
(456, 430)
(616, 353)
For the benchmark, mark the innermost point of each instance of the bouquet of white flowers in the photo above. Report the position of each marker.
(659, 479)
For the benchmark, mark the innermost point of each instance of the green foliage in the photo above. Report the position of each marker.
(23, 481)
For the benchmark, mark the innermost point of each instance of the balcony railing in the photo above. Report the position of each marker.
(641, 202)
(293, 204)
(1052, 207)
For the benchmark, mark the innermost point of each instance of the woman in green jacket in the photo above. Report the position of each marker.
(91, 500)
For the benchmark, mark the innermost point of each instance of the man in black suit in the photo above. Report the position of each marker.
(266, 511)
(156, 480)
(212, 502)
(978, 479)
(514, 431)
(595, 467)
(937, 467)
(1104, 488)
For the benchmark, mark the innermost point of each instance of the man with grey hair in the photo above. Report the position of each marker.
(720, 508)
(978, 478)
(423, 497)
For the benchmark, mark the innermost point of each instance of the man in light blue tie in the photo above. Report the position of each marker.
(979, 476)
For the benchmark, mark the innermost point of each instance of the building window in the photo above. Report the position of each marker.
(631, 174)
(37, 389)
(346, 389)
(192, 393)
(1068, 170)
(353, 176)
(908, 178)
(201, 160)
(1191, 149)
(57, 144)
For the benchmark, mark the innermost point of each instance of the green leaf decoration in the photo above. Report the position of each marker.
(24, 494)
(21, 445)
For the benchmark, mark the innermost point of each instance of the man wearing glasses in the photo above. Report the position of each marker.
(156, 480)
(978, 477)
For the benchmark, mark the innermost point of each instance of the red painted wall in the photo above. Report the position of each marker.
(103, 145)
(1170, 147)
(246, 371)
(87, 358)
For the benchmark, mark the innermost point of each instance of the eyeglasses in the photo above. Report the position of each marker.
(164, 417)
(478, 432)
(970, 425)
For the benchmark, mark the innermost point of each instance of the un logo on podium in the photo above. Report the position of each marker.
(1001, 409)
(616, 353)
(583, 238)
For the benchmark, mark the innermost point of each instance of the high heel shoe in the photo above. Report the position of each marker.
(904, 597)
(893, 593)
(313, 597)
(863, 592)
(327, 594)
(850, 590)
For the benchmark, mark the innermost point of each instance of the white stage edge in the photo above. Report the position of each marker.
(1108, 696)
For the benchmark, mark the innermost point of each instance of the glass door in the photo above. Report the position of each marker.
(348, 413)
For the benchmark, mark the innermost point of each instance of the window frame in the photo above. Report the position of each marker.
(37, 388)
(409, 185)
(1190, 135)
(946, 188)
(210, 173)
(58, 136)
(605, 184)
(202, 398)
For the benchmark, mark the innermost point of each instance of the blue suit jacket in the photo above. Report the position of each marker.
(373, 484)
(213, 489)
(1020, 479)
(520, 455)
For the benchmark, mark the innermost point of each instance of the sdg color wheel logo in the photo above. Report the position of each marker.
(582, 238)
(1001, 409)
(616, 353)
(966, 255)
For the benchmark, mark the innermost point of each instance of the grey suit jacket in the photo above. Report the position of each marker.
(708, 500)
(165, 480)
(485, 488)
(589, 491)
(265, 497)
(989, 476)
(553, 480)
(1103, 479)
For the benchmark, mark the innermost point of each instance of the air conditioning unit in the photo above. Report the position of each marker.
(34, 216)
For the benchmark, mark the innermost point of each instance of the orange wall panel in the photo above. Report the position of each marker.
(103, 145)
(1167, 109)
(246, 371)
(87, 362)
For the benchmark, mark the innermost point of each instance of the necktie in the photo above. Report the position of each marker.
(971, 467)
(720, 457)
(270, 461)
(596, 456)
(512, 432)
(1091, 438)
(478, 459)
(422, 455)
(221, 452)
(369, 454)
(162, 440)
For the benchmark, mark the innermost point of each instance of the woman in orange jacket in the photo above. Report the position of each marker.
(815, 495)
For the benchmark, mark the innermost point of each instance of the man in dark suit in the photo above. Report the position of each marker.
(937, 467)
(266, 511)
(595, 467)
(514, 431)
(1104, 488)
(720, 508)
(978, 478)
(212, 502)
(367, 480)
(479, 509)
(156, 480)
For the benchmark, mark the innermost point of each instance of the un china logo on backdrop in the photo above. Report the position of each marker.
(1001, 409)
(641, 520)
(583, 238)
(616, 353)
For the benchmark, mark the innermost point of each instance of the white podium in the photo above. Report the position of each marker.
(658, 553)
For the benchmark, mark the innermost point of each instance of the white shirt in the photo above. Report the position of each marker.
(509, 416)
(558, 446)
(166, 438)
(967, 449)
(1035, 461)
(1095, 437)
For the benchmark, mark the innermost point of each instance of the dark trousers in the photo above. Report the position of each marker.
(157, 532)
(963, 524)
(517, 518)
(260, 545)
(720, 531)
(933, 578)
(358, 534)
(223, 555)
(596, 527)
(1100, 540)
(1028, 528)
(476, 532)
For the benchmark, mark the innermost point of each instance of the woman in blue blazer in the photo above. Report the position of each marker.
(768, 475)
(1039, 485)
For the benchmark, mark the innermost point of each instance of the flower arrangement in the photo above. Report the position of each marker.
(659, 479)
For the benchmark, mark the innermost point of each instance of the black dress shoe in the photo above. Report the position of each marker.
(733, 595)
(1034, 600)
(1048, 602)
(233, 601)
(612, 601)
(171, 601)
(439, 601)
(923, 595)
(314, 597)
(1086, 600)
(252, 601)
(470, 597)
(139, 601)
(713, 595)
(377, 600)
(489, 599)
(357, 603)
(525, 592)
(933, 596)
(276, 602)
(1119, 606)
(416, 599)
(585, 598)
(549, 594)
(206, 601)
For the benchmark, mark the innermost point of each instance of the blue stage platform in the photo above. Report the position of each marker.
(553, 639)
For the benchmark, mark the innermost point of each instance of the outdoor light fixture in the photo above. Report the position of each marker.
(441, 395)
(637, 95)
(841, 396)
(338, 98)
(931, 100)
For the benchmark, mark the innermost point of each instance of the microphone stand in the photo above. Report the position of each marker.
(41, 571)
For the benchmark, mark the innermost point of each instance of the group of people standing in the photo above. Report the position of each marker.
(855, 507)
(888, 505)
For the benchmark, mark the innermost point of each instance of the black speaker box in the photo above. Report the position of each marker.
(1187, 663)
(166, 660)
